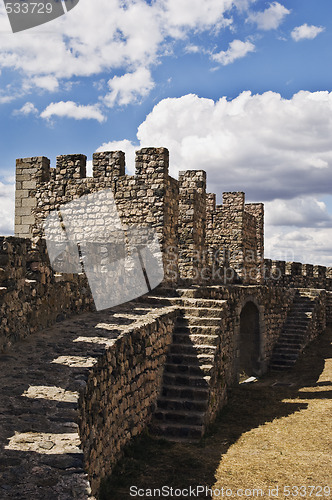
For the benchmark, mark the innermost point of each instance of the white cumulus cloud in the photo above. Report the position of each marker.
(47, 82)
(27, 109)
(302, 211)
(270, 18)
(69, 109)
(307, 245)
(129, 88)
(306, 32)
(236, 50)
(265, 145)
(105, 36)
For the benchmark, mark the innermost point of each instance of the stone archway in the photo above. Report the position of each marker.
(249, 341)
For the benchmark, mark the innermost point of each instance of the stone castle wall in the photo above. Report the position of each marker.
(189, 227)
(121, 392)
(296, 274)
(235, 235)
(32, 296)
(329, 307)
(202, 243)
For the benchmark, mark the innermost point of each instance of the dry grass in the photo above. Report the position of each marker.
(266, 436)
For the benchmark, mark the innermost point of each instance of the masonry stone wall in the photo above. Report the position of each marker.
(296, 274)
(192, 225)
(32, 296)
(235, 234)
(329, 307)
(121, 392)
(190, 229)
(273, 304)
(201, 242)
(145, 199)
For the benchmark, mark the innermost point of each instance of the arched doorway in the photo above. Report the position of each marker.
(249, 342)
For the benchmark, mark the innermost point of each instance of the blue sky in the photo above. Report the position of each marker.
(241, 88)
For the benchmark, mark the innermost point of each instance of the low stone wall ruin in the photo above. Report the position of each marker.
(32, 296)
(121, 392)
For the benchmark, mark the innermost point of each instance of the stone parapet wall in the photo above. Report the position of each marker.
(329, 307)
(318, 320)
(235, 238)
(192, 225)
(121, 392)
(32, 296)
(296, 274)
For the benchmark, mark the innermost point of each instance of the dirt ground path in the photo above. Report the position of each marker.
(273, 438)
(290, 452)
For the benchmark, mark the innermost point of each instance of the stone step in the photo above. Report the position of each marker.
(279, 368)
(304, 314)
(186, 380)
(296, 337)
(195, 338)
(197, 329)
(286, 348)
(190, 417)
(177, 432)
(188, 320)
(203, 312)
(283, 362)
(289, 343)
(186, 301)
(190, 359)
(207, 303)
(189, 292)
(295, 326)
(185, 392)
(302, 308)
(280, 355)
(297, 322)
(300, 316)
(192, 349)
(179, 404)
(292, 338)
(294, 330)
(188, 369)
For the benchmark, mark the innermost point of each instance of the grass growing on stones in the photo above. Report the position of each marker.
(276, 431)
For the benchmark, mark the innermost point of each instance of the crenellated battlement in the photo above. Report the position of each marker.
(200, 240)
(296, 274)
(190, 226)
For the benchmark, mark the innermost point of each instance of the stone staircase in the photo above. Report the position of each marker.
(294, 335)
(181, 413)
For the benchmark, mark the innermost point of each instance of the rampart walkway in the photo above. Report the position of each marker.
(40, 380)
